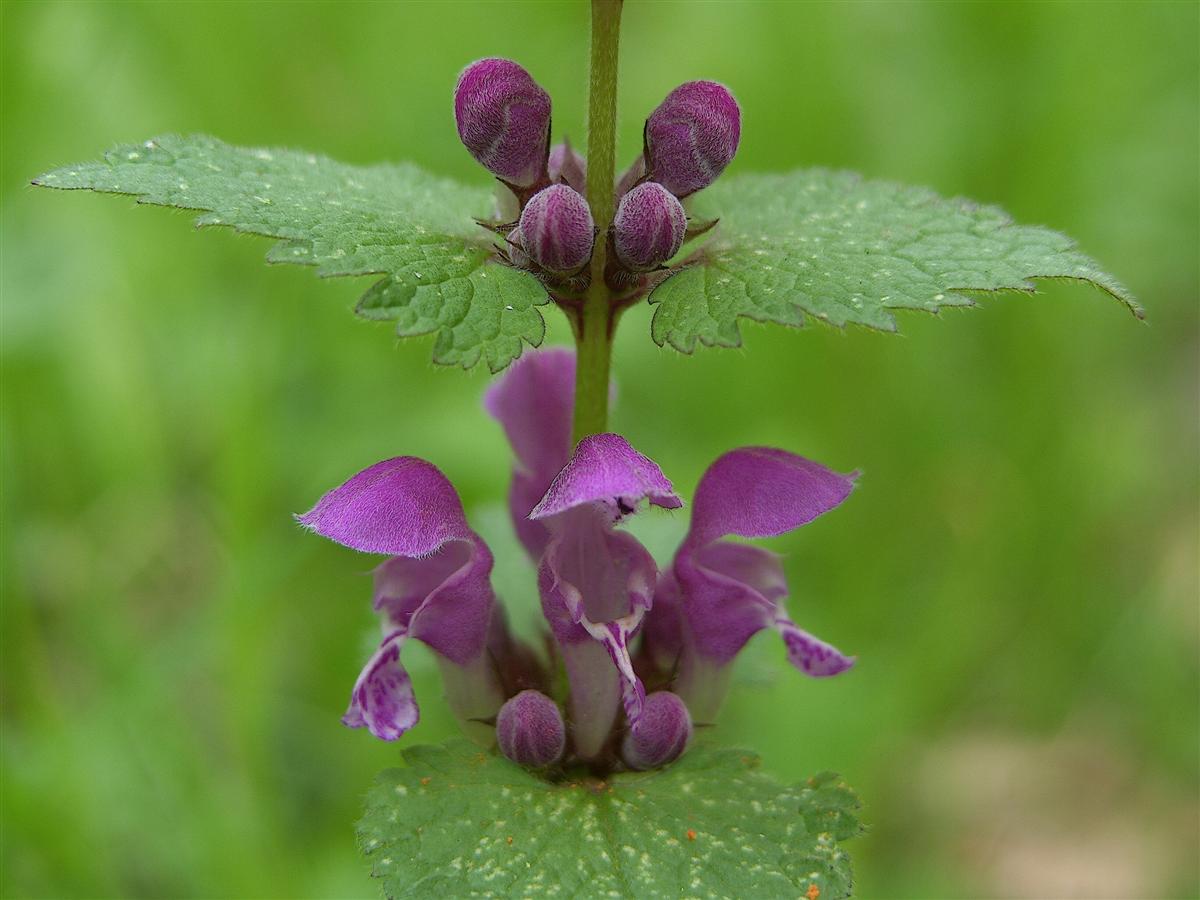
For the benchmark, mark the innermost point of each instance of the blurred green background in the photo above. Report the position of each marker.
(1017, 571)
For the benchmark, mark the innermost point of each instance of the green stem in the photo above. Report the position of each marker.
(593, 334)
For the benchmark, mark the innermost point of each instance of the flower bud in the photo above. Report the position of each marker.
(628, 179)
(503, 118)
(649, 227)
(557, 230)
(530, 731)
(692, 136)
(661, 734)
(566, 165)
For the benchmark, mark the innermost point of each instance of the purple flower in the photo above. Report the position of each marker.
(592, 576)
(617, 622)
(503, 118)
(692, 136)
(718, 593)
(435, 587)
(596, 582)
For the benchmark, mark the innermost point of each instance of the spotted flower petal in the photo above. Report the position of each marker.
(436, 588)
(383, 699)
(596, 583)
(719, 593)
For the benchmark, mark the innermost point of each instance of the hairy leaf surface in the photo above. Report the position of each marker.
(459, 821)
(849, 251)
(394, 220)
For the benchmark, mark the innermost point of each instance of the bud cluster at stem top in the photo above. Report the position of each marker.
(503, 119)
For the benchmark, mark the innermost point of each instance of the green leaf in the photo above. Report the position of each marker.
(831, 245)
(459, 821)
(395, 220)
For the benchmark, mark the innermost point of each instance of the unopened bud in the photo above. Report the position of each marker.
(530, 731)
(661, 734)
(692, 136)
(557, 230)
(649, 227)
(503, 118)
(631, 176)
(566, 165)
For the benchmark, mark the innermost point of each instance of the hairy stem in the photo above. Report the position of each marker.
(593, 336)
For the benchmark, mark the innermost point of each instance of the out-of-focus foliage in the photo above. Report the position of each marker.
(1016, 572)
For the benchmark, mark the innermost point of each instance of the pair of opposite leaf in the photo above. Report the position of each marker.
(812, 243)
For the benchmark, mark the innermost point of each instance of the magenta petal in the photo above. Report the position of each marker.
(723, 612)
(763, 492)
(436, 588)
(403, 506)
(383, 699)
(523, 495)
(727, 592)
(811, 655)
(453, 614)
(606, 469)
(734, 591)
(402, 583)
(759, 569)
(663, 628)
(614, 637)
(596, 584)
(534, 401)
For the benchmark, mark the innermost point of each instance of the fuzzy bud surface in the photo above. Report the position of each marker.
(692, 136)
(661, 734)
(557, 230)
(530, 730)
(649, 227)
(503, 119)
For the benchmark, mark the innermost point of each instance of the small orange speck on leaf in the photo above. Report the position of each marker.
(508, 840)
(425, 780)
(813, 892)
(691, 834)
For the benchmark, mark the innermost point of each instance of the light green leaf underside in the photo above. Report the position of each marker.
(394, 220)
(462, 822)
(848, 251)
